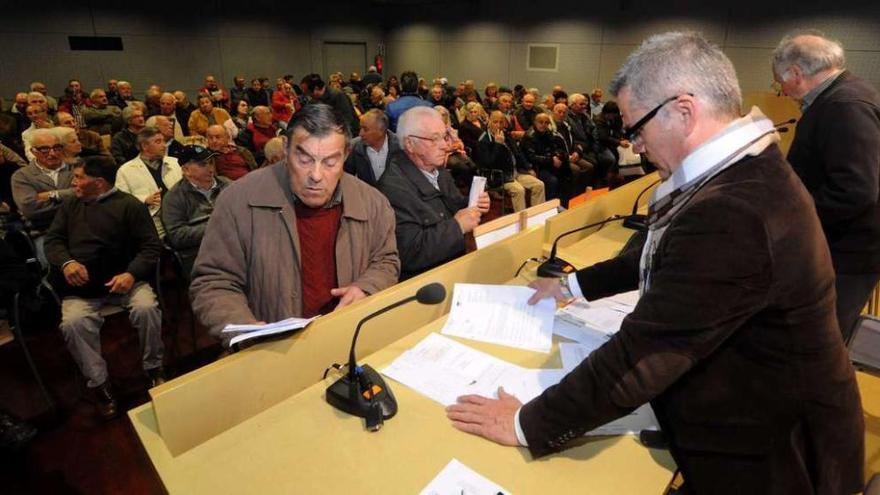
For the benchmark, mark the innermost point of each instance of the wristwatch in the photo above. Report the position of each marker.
(565, 288)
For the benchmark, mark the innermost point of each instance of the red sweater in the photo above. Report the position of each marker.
(231, 165)
(262, 135)
(317, 229)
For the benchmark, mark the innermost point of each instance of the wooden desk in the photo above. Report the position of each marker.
(302, 445)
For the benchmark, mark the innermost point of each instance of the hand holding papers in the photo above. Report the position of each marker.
(500, 314)
(478, 185)
(247, 332)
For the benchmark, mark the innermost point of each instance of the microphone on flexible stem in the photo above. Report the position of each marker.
(362, 391)
(783, 126)
(557, 267)
(634, 220)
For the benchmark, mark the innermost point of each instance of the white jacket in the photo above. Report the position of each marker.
(134, 178)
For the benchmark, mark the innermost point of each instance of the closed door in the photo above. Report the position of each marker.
(345, 57)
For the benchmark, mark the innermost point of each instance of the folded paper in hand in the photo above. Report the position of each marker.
(252, 331)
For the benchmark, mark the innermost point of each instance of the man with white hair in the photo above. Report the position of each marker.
(734, 339)
(274, 151)
(36, 113)
(836, 153)
(51, 102)
(40, 187)
(372, 76)
(151, 174)
(432, 216)
(124, 95)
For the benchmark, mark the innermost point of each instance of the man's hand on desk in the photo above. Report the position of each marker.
(347, 295)
(489, 418)
(546, 287)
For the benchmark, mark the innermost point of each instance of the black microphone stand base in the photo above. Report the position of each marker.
(555, 268)
(353, 396)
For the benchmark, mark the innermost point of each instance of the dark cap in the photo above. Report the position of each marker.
(195, 153)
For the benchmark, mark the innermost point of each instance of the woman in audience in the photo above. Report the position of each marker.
(393, 92)
(473, 126)
(282, 105)
(490, 100)
(242, 115)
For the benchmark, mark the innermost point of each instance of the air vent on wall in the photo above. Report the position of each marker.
(543, 57)
(93, 43)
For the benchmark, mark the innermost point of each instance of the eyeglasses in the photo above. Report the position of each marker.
(46, 149)
(437, 138)
(631, 133)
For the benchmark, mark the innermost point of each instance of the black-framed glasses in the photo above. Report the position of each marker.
(631, 133)
(447, 137)
(46, 149)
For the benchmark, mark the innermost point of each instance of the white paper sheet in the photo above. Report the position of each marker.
(542, 217)
(478, 185)
(247, 332)
(602, 315)
(458, 479)
(496, 235)
(500, 314)
(443, 370)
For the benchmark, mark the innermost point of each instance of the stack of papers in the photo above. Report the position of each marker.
(589, 322)
(442, 370)
(500, 314)
(457, 478)
(247, 332)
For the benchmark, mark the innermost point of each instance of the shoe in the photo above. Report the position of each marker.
(14, 433)
(157, 376)
(105, 402)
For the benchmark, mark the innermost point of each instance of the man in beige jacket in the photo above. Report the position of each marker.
(298, 238)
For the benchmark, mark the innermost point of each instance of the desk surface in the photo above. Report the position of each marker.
(294, 447)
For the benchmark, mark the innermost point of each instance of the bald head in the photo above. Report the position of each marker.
(65, 120)
(217, 138)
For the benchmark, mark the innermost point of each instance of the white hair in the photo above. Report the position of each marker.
(677, 63)
(575, 97)
(275, 149)
(38, 134)
(63, 133)
(810, 50)
(411, 121)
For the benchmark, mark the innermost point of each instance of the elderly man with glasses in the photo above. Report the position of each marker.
(432, 216)
(39, 188)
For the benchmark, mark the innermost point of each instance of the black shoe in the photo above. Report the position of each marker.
(157, 376)
(14, 433)
(105, 402)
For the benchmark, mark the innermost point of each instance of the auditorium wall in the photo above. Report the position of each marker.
(175, 45)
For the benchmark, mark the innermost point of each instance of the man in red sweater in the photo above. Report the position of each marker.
(296, 238)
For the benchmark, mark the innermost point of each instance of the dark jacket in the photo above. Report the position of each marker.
(182, 116)
(185, 212)
(540, 148)
(342, 104)
(738, 350)
(358, 163)
(583, 132)
(427, 233)
(836, 153)
(123, 146)
(110, 236)
(469, 134)
(506, 156)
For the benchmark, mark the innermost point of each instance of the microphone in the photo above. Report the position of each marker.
(362, 391)
(557, 267)
(783, 126)
(635, 221)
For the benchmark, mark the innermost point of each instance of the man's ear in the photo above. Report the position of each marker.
(687, 109)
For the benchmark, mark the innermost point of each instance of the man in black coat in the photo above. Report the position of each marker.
(432, 216)
(734, 340)
(372, 150)
(836, 153)
(318, 92)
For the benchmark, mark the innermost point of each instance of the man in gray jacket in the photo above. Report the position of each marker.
(295, 239)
